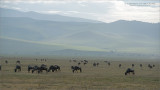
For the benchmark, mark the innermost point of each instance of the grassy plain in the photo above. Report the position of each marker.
(103, 77)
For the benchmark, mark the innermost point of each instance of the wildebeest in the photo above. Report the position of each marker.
(141, 65)
(76, 68)
(54, 68)
(128, 71)
(153, 65)
(40, 69)
(79, 63)
(0, 67)
(30, 68)
(97, 64)
(6, 62)
(106, 61)
(109, 63)
(94, 64)
(17, 68)
(36, 68)
(43, 67)
(74, 60)
(85, 63)
(132, 65)
(120, 65)
(18, 62)
(149, 66)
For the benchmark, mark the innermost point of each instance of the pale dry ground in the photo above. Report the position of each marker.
(103, 77)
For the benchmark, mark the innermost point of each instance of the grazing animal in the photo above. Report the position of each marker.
(79, 63)
(85, 63)
(36, 68)
(18, 62)
(94, 64)
(0, 67)
(150, 66)
(54, 68)
(76, 68)
(120, 65)
(153, 65)
(40, 69)
(106, 61)
(128, 71)
(74, 60)
(17, 68)
(132, 65)
(43, 67)
(97, 64)
(30, 68)
(109, 63)
(6, 62)
(141, 65)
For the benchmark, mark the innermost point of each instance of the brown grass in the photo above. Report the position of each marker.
(103, 77)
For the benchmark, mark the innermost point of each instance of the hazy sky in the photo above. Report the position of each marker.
(102, 10)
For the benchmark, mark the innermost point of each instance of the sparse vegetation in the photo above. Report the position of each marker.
(103, 77)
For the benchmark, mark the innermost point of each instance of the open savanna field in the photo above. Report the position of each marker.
(103, 77)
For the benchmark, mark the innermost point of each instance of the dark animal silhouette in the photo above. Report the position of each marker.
(97, 64)
(36, 68)
(85, 63)
(79, 63)
(94, 64)
(141, 65)
(40, 69)
(30, 68)
(106, 61)
(6, 62)
(109, 63)
(132, 65)
(128, 71)
(120, 65)
(0, 67)
(54, 68)
(18, 62)
(43, 67)
(17, 68)
(74, 60)
(150, 66)
(76, 68)
(153, 65)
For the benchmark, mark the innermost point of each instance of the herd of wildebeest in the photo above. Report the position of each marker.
(77, 68)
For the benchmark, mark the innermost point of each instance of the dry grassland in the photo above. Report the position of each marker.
(103, 77)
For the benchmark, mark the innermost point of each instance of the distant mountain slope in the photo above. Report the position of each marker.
(51, 17)
(22, 32)
(31, 29)
(13, 47)
(126, 36)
